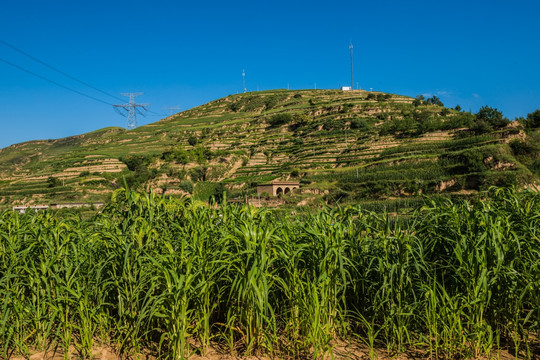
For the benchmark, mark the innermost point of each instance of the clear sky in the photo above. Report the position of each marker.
(181, 53)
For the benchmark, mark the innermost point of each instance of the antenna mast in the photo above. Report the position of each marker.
(352, 74)
(131, 109)
(244, 80)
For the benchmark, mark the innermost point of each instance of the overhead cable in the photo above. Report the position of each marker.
(54, 82)
(58, 70)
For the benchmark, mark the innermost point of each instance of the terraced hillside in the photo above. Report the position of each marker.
(341, 146)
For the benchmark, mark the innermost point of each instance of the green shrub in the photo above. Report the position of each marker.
(520, 147)
(198, 173)
(53, 182)
(359, 124)
(492, 117)
(186, 186)
(280, 119)
(192, 140)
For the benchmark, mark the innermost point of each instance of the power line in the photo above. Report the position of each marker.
(54, 82)
(58, 70)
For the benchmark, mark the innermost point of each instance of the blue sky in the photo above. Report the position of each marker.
(180, 53)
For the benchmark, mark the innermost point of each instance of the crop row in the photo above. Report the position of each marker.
(174, 276)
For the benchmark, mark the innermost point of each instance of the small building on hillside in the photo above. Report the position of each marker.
(346, 88)
(277, 187)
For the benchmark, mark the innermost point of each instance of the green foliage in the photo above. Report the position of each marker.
(398, 126)
(360, 124)
(280, 119)
(346, 107)
(198, 173)
(470, 160)
(491, 117)
(532, 121)
(137, 163)
(250, 103)
(520, 147)
(201, 154)
(220, 193)
(419, 100)
(180, 155)
(535, 167)
(139, 171)
(461, 120)
(173, 277)
(192, 140)
(434, 100)
(53, 182)
(186, 186)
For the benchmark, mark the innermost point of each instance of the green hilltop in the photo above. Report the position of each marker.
(342, 146)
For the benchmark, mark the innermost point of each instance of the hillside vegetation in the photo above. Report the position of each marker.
(341, 146)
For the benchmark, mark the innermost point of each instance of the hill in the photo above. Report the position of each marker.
(341, 145)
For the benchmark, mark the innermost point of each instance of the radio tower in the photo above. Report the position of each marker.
(244, 80)
(352, 76)
(131, 108)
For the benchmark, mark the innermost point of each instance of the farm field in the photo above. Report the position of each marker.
(173, 278)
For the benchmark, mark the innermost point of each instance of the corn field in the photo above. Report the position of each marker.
(175, 277)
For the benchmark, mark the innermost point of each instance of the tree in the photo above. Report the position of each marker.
(181, 155)
(220, 193)
(52, 182)
(434, 100)
(533, 120)
(192, 140)
(280, 119)
(491, 116)
(198, 173)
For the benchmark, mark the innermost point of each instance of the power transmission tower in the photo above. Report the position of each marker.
(352, 76)
(244, 80)
(131, 109)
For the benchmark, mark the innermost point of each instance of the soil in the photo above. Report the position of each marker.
(341, 350)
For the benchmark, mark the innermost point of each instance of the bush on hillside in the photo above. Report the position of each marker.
(359, 124)
(280, 119)
(192, 140)
(434, 100)
(186, 186)
(520, 147)
(532, 121)
(198, 173)
(491, 117)
(220, 193)
(52, 182)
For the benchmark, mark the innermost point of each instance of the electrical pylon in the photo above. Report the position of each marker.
(131, 108)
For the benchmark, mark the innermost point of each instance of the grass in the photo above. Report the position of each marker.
(173, 277)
